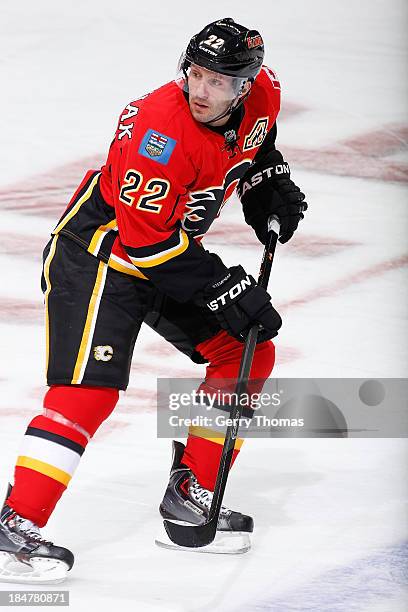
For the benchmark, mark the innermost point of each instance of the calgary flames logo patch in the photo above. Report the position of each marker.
(103, 353)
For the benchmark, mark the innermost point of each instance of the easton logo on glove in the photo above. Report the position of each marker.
(265, 174)
(266, 189)
(238, 303)
(232, 293)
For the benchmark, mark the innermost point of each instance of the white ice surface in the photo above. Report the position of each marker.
(330, 514)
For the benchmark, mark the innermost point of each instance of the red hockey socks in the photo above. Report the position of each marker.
(53, 445)
(204, 447)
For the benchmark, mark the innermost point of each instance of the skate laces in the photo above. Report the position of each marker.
(26, 527)
(203, 496)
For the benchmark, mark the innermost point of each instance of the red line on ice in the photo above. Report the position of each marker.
(48, 193)
(345, 163)
(23, 245)
(385, 141)
(20, 311)
(305, 245)
(343, 283)
(291, 109)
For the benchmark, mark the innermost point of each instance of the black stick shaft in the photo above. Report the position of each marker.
(194, 536)
(243, 377)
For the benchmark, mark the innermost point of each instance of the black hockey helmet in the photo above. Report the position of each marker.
(226, 47)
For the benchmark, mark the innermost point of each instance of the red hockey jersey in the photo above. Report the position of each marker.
(165, 180)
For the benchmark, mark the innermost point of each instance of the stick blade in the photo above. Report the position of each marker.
(191, 536)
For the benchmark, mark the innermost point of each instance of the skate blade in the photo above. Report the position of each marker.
(224, 543)
(37, 571)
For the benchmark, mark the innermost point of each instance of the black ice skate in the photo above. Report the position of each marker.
(25, 557)
(186, 501)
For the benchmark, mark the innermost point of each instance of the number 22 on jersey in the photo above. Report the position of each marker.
(150, 192)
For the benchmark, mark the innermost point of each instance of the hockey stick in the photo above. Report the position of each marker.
(195, 536)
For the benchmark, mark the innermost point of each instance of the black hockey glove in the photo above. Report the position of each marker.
(266, 189)
(238, 303)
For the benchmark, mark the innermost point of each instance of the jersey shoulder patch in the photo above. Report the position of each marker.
(157, 146)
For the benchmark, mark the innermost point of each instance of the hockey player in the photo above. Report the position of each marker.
(128, 250)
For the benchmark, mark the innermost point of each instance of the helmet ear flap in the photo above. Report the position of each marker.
(241, 87)
(184, 63)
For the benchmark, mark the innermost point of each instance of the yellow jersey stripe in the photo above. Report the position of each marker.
(119, 265)
(47, 264)
(90, 322)
(213, 436)
(99, 235)
(156, 260)
(78, 205)
(44, 468)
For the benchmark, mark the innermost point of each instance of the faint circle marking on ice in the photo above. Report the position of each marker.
(371, 392)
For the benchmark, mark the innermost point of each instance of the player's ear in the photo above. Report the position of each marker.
(246, 89)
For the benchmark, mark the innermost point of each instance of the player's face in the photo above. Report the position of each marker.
(210, 94)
